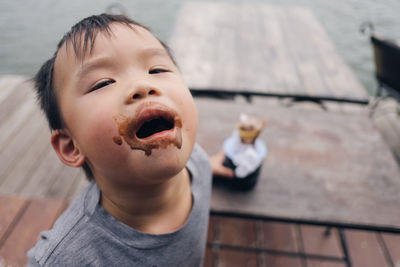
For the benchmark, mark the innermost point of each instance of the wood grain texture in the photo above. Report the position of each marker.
(238, 232)
(10, 209)
(279, 236)
(320, 263)
(279, 260)
(260, 47)
(39, 215)
(364, 249)
(228, 258)
(322, 166)
(386, 118)
(29, 164)
(392, 244)
(316, 242)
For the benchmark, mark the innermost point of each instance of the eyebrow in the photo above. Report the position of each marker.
(105, 61)
(154, 52)
(96, 63)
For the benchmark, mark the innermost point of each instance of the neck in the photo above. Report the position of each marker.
(155, 209)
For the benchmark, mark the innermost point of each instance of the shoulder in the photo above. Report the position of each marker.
(65, 236)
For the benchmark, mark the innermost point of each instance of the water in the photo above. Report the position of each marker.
(31, 29)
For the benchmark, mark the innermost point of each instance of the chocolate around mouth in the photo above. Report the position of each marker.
(139, 131)
(153, 126)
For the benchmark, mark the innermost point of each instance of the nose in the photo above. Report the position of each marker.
(141, 91)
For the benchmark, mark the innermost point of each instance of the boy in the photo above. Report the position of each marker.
(118, 107)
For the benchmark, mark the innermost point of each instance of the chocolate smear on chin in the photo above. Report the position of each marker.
(117, 140)
(127, 128)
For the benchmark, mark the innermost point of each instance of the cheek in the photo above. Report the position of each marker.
(190, 117)
(97, 129)
(101, 149)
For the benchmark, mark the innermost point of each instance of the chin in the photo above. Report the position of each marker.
(168, 162)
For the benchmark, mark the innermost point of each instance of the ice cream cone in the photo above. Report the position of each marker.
(249, 128)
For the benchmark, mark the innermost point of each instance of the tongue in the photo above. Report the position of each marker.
(154, 126)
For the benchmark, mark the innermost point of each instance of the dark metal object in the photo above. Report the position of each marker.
(354, 226)
(344, 246)
(248, 94)
(387, 65)
(387, 61)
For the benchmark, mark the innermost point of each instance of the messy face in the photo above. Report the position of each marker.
(126, 107)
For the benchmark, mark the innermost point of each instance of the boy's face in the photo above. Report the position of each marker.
(106, 99)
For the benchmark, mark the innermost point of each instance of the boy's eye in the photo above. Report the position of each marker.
(102, 84)
(158, 70)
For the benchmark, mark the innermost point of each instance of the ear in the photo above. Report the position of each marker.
(66, 148)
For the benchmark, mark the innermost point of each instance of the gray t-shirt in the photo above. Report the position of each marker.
(87, 235)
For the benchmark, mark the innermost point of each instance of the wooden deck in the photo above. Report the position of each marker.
(272, 244)
(260, 48)
(268, 49)
(231, 241)
(29, 166)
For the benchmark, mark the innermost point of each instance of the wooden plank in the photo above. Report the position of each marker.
(392, 244)
(47, 170)
(208, 258)
(306, 53)
(354, 108)
(40, 215)
(8, 83)
(301, 51)
(316, 242)
(22, 170)
(10, 208)
(279, 236)
(256, 63)
(259, 47)
(278, 62)
(212, 228)
(238, 232)
(387, 120)
(193, 43)
(321, 263)
(364, 249)
(13, 101)
(11, 151)
(225, 61)
(279, 260)
(16, 120)
(212, 235)
(298, 179)
(228, 258)
(335, 72)
(386, 126)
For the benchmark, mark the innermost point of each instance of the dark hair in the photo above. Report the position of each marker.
(82, 36)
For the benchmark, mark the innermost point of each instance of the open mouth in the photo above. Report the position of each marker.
(155, 125)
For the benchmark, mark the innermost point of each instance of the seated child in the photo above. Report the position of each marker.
(118, 107)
